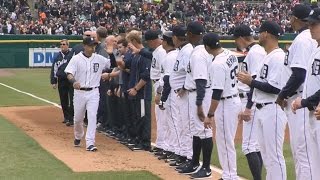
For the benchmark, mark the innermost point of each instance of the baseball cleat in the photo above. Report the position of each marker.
(76, 142)
(202, 174)
(92, 148)
(189, 169)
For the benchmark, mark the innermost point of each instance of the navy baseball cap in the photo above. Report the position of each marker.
(167, 36)
(179, 30)
(89, 41)
(271, 27)
(195, 28)
(212, 40)
(242, 31)
(151, 35)
(301, 11)
(314, 15)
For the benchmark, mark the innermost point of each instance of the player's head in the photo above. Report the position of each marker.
(134, 37)
(122, 46)
(299, 13)
(314, 23)
(179, 35)
(89, 45)
(270, 32)
(86, 34)
(152, 37)
(243, 36)
(211, 42)
(102, 33)
(195, 31)
(64, 45)
(167, 42)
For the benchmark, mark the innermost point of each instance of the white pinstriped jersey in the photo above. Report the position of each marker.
(298, 55)
(250, 64)
(87, 71)
(223, 72)
(270, 72)
(198, 67)
(179, 72)
(158, 55)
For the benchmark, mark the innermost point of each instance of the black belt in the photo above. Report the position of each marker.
(155, 80)
(192, 90)
(229, 97)
(243, 95)
(87, 89)
(260, 105)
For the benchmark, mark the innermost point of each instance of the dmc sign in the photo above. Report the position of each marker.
(42, 57)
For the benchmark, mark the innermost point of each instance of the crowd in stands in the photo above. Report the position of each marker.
(73, 17)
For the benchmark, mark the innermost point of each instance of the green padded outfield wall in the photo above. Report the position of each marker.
(14, 49)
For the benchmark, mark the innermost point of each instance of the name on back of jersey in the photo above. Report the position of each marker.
(232, 59)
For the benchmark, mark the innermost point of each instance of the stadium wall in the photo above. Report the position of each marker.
(23, 51)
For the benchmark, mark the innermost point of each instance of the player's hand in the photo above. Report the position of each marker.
(132, 92)
(105, 76)
(244, 77)
(246, 115)
(296, 104)
(54, 86)
(76, 85)
(201, 113)
(157, 99)
(317, 112)
(133, 48)
(282, 103)
(208, 123)
(181, 92)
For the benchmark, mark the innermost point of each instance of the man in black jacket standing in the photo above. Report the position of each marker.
(59, 79)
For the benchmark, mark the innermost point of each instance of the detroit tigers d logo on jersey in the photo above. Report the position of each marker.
(264, 71)
(95, 67)
(176, 66)
(316, 67)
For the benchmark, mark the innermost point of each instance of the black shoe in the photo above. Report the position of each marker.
(174, 164)
(165, 155)
(202, 173)
(183, 165)
(155, 150)
(92, 148)
(189, 169)
(137, 147)
(64, 121)
(76, 142)
(159, 153)
(69, 123)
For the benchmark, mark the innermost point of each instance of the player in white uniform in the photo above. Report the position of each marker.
(84, 72)
(225, 103)
(293, 76)
(154, 42)
(271, 119)
(171, 137)
(311, 96)
(255, 54)
(178, 96)
(197, 84)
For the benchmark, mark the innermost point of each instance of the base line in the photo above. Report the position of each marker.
(214, 168)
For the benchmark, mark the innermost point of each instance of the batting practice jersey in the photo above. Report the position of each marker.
(179, 72)
(197, 68)
(223, 72)
(298, 55)
(251, 63)
(158, 55)
(270, 72)
(87, 71)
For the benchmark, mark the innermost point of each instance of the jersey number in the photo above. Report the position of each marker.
(286, 61)
(176, 66)
(189, 68)
(264, 72)
(233, 74)
(316, 67)
(153, 65)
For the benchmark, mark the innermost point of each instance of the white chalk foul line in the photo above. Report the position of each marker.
(214, 168)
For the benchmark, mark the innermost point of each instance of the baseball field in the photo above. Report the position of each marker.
(36, 145)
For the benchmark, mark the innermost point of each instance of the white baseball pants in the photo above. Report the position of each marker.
(299, 141)
(86, 100)
(314, 144)
(226, 119)
(271, 124)
(249, 132)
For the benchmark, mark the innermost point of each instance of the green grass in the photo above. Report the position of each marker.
(36, 81)
(22, 158)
